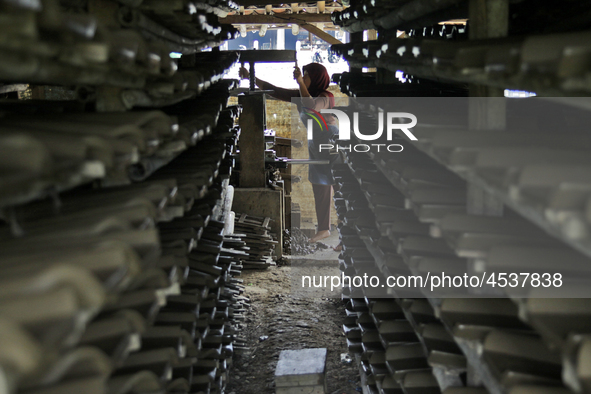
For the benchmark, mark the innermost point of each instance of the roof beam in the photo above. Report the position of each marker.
(261, 3)
(278, 10)
(281, 26)
(320, 33)
(271, 19)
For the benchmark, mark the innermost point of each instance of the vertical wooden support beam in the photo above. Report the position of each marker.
(251, 77)
(295, 8)
(356, 38)
(488, 19)
(372, 35)
(385, 76)
(252, 141)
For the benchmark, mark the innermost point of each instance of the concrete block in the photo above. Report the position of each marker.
(318, 389)
(306, 367)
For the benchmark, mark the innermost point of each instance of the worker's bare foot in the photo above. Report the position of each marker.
(338, 248)
(320, 235)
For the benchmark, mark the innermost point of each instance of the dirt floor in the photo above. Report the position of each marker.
(278, 320)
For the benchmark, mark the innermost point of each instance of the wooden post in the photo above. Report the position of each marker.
(252, 141)
(356, 38)
(488, 19)
(372, 35)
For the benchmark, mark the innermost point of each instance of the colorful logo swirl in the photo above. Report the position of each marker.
(316, 116)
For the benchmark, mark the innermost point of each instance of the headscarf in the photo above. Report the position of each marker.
(319, 81)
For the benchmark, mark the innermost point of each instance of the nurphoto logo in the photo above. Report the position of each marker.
(393, 122)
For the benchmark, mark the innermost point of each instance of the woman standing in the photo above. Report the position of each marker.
(314, 97)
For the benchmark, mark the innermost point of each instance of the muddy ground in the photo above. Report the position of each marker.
(278, 320)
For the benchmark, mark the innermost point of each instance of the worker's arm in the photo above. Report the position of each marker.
(278, 93)
(307, 100)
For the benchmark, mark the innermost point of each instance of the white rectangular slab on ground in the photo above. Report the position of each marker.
(318, 389)
(301, 371)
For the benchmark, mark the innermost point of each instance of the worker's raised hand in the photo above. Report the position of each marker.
(243, 73)
(297, 73)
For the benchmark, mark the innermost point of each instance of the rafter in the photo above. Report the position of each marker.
(263, 3)
(274, 19)
(320, 33)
